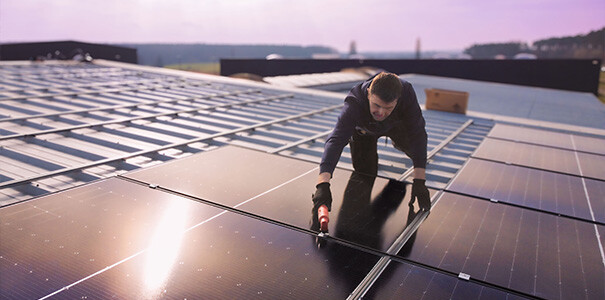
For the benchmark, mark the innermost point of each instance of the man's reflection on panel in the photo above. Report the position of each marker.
(361, 220)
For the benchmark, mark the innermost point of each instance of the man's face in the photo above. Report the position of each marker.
(379, 109)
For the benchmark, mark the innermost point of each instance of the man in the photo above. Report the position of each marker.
(383, 105)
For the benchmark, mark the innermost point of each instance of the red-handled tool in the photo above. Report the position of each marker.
(322, 215)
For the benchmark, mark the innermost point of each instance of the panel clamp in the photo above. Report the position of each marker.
(464, 276)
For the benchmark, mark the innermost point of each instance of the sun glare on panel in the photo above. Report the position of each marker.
(164, 249)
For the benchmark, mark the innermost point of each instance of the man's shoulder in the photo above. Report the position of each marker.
(405, 84)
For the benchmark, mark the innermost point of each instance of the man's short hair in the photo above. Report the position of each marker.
(387, 86)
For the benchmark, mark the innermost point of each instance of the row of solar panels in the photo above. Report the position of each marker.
(248, 229)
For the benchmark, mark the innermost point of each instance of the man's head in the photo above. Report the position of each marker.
(383, 93)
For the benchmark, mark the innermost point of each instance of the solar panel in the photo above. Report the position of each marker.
(553, 192)
(172, 247)
(596, 193)
(592, 165)
(551, 159)
(228, 175)
(548, 138)
(530, 135)
(235, 257)
(366, 210)
(524, 250)
(406, 281)
(589, 144)
(56, 240)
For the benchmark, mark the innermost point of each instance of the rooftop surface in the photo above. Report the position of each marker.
(125, 181)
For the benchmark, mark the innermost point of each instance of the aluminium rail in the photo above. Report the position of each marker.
(149, 116)
(115, 107)
(96, 92)
(107, 84)
(165, 147)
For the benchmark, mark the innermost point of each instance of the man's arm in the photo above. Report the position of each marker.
(415, 125)
(338, 139)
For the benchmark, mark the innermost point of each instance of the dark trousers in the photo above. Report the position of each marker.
(364, 150)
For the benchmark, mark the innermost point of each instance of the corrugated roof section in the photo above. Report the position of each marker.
(65, 124)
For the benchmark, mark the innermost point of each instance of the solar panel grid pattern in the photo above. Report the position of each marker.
(532, 252)
(506, 246)
(548, 254)
(548, 191)
(103, 237)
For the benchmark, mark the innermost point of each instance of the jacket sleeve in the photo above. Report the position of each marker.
(414, 124)
(338, 139)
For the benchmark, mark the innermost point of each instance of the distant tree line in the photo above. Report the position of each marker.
(170, 54)
(587, 46)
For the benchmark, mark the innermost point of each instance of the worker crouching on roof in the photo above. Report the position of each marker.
(383, 105)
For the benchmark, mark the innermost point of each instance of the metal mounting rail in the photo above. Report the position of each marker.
(42, 132)
(165, 147)
(85, 85)
(439, 147)
(87, 110)
(115, 90)
(302, 141)
(365, 285)
(81, 73)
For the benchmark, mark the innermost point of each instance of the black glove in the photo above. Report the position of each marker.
(420, 191)
(322, 196)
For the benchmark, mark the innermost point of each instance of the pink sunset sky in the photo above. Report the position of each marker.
(382, 25)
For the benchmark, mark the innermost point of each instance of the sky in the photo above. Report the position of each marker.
(379, 25)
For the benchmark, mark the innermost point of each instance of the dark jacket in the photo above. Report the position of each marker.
(405, 121)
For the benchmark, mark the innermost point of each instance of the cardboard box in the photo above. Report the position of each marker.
(446, 100)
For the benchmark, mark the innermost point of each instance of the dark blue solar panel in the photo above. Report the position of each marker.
(540, 157)
(515, 248)
(553, 192)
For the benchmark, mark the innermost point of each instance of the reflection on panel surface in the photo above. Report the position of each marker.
(365, 210)
(558, 160)
(53, 241)
(520, 249)
(237, 257)
(549, 138)
(405, 281)
(228, 175)
(558, 193)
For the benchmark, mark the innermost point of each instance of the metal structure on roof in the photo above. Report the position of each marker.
(125, 181)
(67, 124)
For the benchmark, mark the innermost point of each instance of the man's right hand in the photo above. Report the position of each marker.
(420, 191)
(322, 196)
